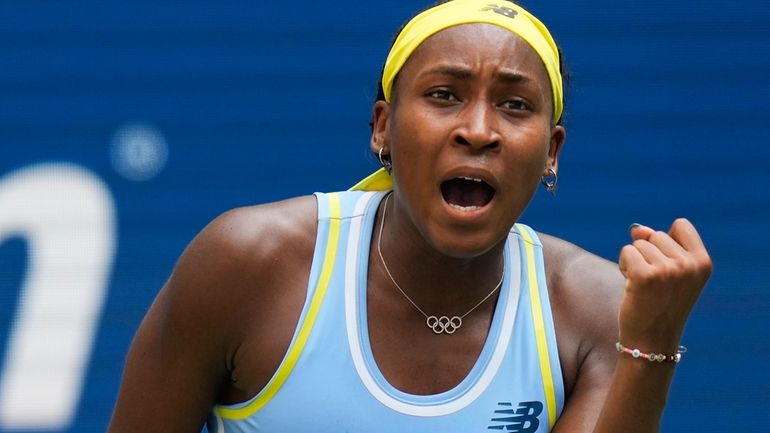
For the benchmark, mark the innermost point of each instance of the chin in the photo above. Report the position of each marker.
(464, 245)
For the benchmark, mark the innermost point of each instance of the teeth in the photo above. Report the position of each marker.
(465, 208)
(471, 178)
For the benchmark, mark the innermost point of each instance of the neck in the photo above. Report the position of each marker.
(433, 280)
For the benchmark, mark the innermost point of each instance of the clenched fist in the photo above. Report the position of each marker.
(665, 273)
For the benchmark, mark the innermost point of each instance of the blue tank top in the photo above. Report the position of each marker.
(328, 380)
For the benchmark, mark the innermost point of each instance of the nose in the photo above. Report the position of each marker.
(477, 127)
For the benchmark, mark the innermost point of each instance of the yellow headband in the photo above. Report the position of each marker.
(507, 15)
(504, 14)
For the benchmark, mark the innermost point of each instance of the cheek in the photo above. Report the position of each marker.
(414, 137)
(526, 160)
(530, 147)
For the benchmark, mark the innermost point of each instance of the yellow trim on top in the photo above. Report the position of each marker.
(295, 350)
(539, 323)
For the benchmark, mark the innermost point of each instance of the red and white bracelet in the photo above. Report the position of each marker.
(652, 357)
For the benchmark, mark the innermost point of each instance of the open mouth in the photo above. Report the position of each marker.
(466, 193)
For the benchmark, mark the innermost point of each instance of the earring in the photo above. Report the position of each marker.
(550, 181)
(385, 161)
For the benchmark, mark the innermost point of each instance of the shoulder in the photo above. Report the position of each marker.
(243, 271)
(585, 292)
(577, 275)
(246, 247)
(235, 267)
(246, 235)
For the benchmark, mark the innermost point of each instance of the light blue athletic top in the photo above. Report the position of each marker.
(329, 382)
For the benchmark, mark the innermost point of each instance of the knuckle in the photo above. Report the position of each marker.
(679, 224)
(657, 235)
(628, 255)
(642, 274)
(673, 267)
(705, 265)
(702, 256)
(695, 264)
(686, 264)
(667, 272)
(625, 252)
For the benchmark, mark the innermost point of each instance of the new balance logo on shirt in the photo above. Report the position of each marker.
(523, 419)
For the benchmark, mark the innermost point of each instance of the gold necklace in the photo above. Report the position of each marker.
(438, 324)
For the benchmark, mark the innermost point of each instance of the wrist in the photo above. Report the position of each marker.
(638, 353)
(658, 342)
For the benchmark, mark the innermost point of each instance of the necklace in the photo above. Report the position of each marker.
(438, 324)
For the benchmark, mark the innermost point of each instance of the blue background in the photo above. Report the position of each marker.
(258, 101)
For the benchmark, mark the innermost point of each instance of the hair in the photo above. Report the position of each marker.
(563, 70)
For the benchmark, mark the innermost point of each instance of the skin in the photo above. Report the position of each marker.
(473, 100)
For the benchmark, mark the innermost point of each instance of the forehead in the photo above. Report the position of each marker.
(478, 45)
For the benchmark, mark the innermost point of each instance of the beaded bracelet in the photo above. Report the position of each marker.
(652, 357)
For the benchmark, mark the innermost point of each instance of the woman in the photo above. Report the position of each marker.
(418, 304)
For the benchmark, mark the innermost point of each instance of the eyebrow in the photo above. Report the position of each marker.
(452, 71)
(461, 73)
(512, 77)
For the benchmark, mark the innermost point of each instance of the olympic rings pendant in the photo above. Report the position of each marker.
(444, 324)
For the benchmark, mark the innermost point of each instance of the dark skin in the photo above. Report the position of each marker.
(473, 100)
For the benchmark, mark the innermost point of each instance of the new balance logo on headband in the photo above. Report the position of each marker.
(520, 420)
(502, 10)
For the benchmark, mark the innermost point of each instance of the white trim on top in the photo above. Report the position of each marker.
(354, 338)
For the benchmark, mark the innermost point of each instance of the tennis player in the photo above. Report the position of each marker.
(416, 302)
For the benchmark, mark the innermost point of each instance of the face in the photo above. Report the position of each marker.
(469, 131)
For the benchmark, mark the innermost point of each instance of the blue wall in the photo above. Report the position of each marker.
(180, 112)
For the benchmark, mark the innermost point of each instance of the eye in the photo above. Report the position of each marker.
(516, 105)
(442, 95)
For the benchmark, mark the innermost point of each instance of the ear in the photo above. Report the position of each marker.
(558, 136)
(380, 118)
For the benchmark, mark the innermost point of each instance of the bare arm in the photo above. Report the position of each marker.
(662, 276)
(176, 364)
(183, 356)
(585, 291)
